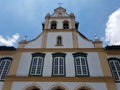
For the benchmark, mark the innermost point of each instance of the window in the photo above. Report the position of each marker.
(115, 68)
(4, 67)
(80, 62)
(58, 67)
(53, 25)
(59, 41)
(37, 63)
(65, 25)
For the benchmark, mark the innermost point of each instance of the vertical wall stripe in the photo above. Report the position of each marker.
(111, 86)
(44, 39)
(104, 64)
(75, 39)
(12, 72)
(7, 85)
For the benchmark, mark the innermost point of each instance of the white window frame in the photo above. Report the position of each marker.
(58, 66)
(115, 64)
(80, 68)
(4, 67)
(38, 66)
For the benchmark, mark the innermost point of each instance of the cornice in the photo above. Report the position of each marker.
(59, 79)
(59, 30)
(7, 52)
(113, 52)
(60, 50)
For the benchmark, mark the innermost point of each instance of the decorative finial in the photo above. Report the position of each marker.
(60, 4)
(95, 37)
(25, 37)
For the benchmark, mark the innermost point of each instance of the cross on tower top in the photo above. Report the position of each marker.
(60, 4)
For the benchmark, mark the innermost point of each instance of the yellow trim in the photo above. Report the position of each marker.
(7, 52)
(31, 86)
(73, 23)
(113, 52)
(13, 69)
(85, 86)
(44, 40)
(75, 39)
(58, 30)
(15, 63)
(60, 50)
(111, 86)
(98, 44)
(62, 86)
(7, 86)
(63, 17)
(59, 79)
(104, 64)
(46, 23)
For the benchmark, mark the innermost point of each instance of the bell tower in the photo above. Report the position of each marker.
(60, 20)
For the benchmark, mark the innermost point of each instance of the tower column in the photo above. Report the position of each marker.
(104, 64)
(12, 72)
(44, 39)
(75, 39)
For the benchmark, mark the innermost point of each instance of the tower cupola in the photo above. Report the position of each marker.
(60, 20)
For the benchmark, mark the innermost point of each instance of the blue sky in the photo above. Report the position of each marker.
(24, 17)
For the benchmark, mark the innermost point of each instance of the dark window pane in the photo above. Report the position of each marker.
(36, 67)
(81, 66)
(4, 67)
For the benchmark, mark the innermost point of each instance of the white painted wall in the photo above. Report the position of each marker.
(24, 64)
(70, 69)
(66, 36)
(118, 86)
(69, 65)
(94, 64)
(83, 43)
(47, 69)
(1, 85)
(92, 58)
(67, 40)
(36, 43)
(49, 85)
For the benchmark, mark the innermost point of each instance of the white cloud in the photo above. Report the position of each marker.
(9, 41)
(112, 31)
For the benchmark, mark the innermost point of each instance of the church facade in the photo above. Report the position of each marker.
(60, 58)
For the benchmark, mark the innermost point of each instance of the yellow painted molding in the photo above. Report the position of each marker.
(15, 64)
(113, 52)
(7, 86)
(44, 39)
(75, 39)
(98, 44)
(104, 64)
(59, 79)
(59, 30)
(60, 50)
(7, 52)
(63, 17)
(111, 86)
